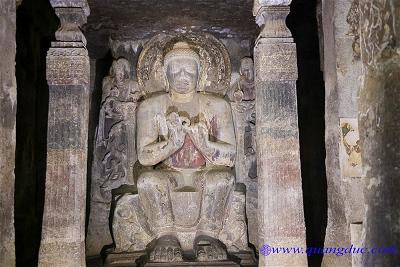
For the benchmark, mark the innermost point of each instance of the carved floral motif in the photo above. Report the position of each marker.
(67, 66)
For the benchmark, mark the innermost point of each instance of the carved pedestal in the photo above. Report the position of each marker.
(281, 217)
(132, 233)
(63, 234)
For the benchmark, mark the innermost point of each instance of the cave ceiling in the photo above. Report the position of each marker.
(134, 19)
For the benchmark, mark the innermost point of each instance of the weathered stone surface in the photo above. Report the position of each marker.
(8, 104)
(281, 217)
(356, 241)
(63, 229)
(234, 231)
(380, 127)
(280, 200)
(279, 63)
(131, 231)
(246, 161)
(342, 70)
(67, 66)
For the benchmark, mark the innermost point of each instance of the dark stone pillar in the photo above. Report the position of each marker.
(8, 104)
(379, 124)
(63, 233)
(281, 216)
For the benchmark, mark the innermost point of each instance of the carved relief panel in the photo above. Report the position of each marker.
(116, 130)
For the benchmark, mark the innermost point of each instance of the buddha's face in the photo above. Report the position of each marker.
(182, 75)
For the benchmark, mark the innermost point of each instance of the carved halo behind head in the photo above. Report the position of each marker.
(215, 72)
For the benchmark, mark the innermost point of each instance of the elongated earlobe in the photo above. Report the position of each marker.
(165, 79)
(199, 77)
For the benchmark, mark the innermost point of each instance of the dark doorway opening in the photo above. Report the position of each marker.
(302, 22)
(36, 25)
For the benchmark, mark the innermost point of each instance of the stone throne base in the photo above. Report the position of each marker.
(133, 236)
(139, 259)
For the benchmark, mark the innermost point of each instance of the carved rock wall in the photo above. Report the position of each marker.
(342, 71)
(137, 19)
(8, 101)
(380, 127)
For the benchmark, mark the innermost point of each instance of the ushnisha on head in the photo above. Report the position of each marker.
(182, 68)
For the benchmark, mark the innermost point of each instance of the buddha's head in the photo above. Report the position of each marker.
(182, 68)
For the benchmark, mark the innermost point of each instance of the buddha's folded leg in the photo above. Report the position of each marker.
(218, 185)
(154, 194)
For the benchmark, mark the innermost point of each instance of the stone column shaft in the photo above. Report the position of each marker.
(63, 233)
(281, 216)
(8, 107)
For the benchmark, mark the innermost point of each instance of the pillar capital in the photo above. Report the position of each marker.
(83, 4)
(69, 33)
(264, 3)
(72, 15)
(272, 20)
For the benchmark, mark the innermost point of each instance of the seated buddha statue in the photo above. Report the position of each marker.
(187, 140)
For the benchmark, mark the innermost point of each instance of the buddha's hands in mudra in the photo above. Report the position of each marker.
(178, 127)
(198, 132)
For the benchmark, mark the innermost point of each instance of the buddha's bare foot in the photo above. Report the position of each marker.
(209, 249)
(166, 249)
